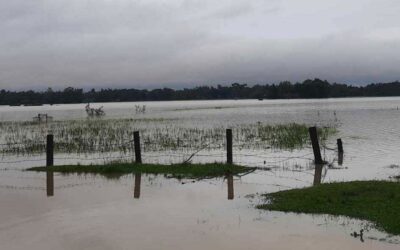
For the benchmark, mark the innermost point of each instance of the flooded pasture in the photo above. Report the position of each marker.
(141, 211)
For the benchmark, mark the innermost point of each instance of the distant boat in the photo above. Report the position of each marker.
(260, 99)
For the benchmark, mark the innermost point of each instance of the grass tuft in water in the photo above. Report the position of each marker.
(376, 201)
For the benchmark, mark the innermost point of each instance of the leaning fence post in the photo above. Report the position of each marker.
(229, 158)
(340, 145)
(340, 159)
(317, 174)
(50, 151)
(315, 145)
(136, 139)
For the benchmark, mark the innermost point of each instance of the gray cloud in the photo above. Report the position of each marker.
(126, 43)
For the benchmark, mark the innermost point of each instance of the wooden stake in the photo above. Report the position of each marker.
(229, 158)
(138, 154)
(50, 151)
(315, 145)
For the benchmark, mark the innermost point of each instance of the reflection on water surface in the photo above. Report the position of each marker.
(93, 212)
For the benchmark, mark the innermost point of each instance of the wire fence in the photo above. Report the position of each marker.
(240, 158)
(127, 150)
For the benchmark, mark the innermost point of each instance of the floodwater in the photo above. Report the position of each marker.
(54, 211)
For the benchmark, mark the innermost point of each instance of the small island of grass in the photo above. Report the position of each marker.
(376, 201)
(192, 171)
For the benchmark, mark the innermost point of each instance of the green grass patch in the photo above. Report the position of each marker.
(376, 201)
(189, 171)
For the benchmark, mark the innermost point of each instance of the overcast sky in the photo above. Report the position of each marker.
(177, 43)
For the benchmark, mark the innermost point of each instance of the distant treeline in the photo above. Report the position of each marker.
(308, 89)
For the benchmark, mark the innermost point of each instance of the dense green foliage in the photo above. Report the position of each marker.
(196, 171)
(376, 201)
(308, 89)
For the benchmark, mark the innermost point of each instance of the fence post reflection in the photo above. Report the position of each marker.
(50, 183)
(230, 186)
(136, 191)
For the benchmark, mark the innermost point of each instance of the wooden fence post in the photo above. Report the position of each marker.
(229, 158)
(317, 174)
(50, 151)
(340, 151)
(138, 155)
(340, 159)
(340, 145)
(315, 145)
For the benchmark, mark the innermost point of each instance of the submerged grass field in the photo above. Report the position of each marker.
(191, 171)
(376, 201)
(115, 135)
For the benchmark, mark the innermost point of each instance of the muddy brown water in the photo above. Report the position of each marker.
(154, 212)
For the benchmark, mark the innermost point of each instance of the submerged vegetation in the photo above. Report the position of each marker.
(376, 201)
(195, 171)
(92, 112)
(116, 135)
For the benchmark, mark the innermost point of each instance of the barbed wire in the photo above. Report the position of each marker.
(109, 157)
(172, 154)
(20, 161)
(125, 146)
(92, 159)
(20, 143)
(22, 188)
(327, 148)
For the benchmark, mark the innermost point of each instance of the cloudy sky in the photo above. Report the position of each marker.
(179, 43)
